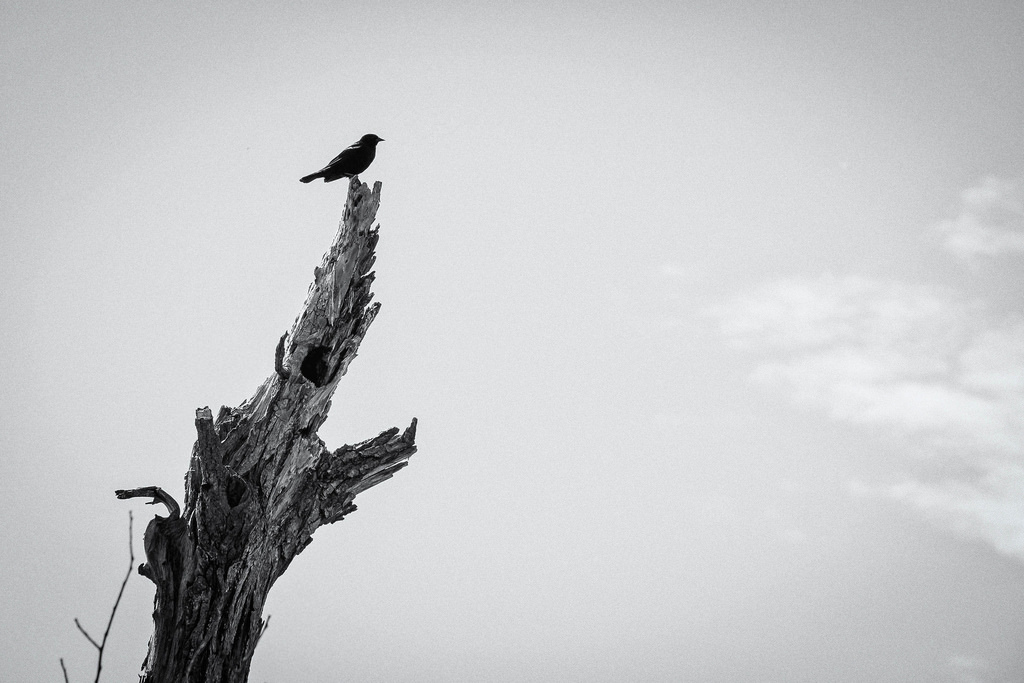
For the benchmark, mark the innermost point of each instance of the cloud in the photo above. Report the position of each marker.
(936, 370)
(990, 220)
(970, 669)
(914, 358)
(798, 313)
(989, 507)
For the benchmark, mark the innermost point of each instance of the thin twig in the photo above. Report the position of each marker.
(110, 621)
(103, 643)
(87, 636)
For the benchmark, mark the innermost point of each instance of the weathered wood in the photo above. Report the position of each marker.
(260, 480)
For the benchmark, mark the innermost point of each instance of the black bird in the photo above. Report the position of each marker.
(350, 162)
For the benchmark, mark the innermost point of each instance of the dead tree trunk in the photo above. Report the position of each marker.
(260, 480)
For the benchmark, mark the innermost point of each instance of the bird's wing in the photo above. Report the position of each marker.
(344, 154)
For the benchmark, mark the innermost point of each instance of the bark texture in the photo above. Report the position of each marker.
(260, 480)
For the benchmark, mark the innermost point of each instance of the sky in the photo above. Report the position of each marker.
(711, 313)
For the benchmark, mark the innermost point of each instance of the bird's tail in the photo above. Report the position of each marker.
(311, 176)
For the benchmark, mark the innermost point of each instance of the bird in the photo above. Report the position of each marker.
(352, 161)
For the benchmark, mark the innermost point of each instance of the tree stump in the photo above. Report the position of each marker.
(260, 480)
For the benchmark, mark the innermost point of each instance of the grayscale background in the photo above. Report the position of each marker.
(711, 314)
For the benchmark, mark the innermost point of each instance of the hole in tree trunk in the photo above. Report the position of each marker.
(314, 365)
(235, 491)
